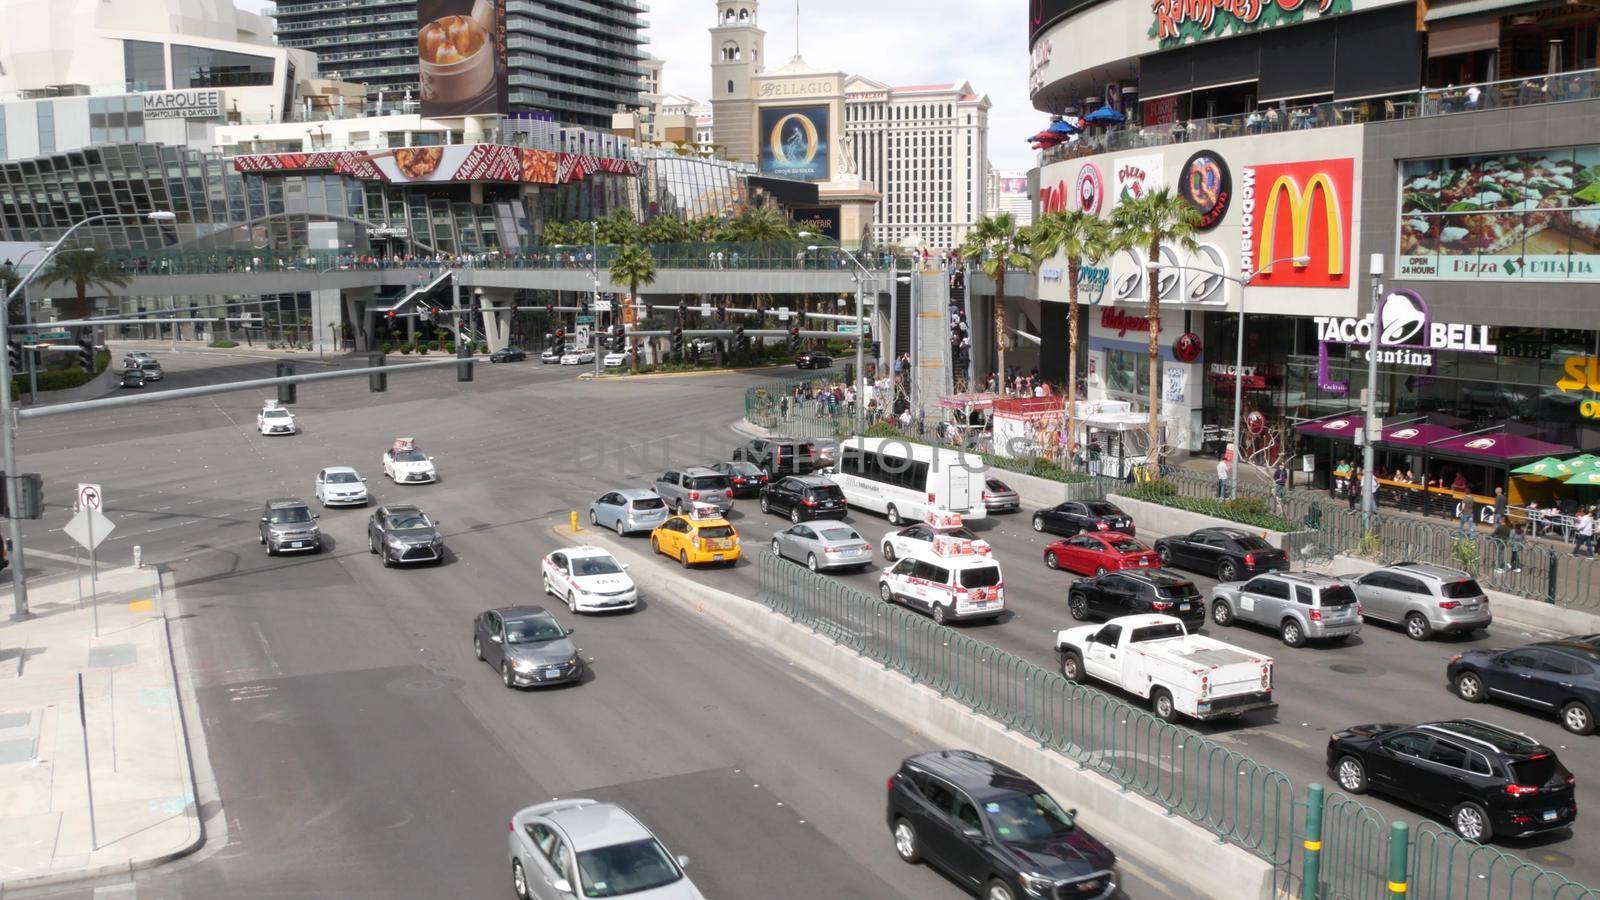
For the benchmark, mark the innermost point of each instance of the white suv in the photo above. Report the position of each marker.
(951, 580)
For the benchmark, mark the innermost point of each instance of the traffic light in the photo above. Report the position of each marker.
(464, 352)
(390, 316)
(740, 342)
(561, 337)
(14, 356)
(677, 341)
(621, 334)
(30, 496)
(683, 309)
(86, 356)
(377, 382)
(549, 309)
(794, 337)
(425, 314)
(722, 311)
(286, 392)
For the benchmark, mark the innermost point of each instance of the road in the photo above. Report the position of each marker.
(359, 748)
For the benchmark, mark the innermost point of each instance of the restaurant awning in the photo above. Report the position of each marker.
(1418, 436)
(1497, 449)
(1344, 428)
(1030, 407)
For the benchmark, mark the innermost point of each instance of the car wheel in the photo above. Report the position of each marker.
(618, 526)
(572, 604)
(677, 507)
(1099, 570)
(1072, 667)
(1352, 775)
(1221, 613)
(888, 552)
(1050, 561)
(1291, 632)
(1469, 687)
(655, 546)
(383, 553)
(766, 505)
(1166, 555)
(1161, 704)
(519, 880)
(794, 515)
(1576, 718)
(372, 546)
(905, 842)
(477, 648)
(811, 561)
(885, 593)
(505, 673)
(775, 551)
(1078, 607)
(997, 890)
(939, 615)
(270, 551)
(1226, 571)
(262, 537)
(1471, 822)
(1038, 523)
(1417, 627)
(683, 558)
(547, 591)
(893, 515)
(593, 519)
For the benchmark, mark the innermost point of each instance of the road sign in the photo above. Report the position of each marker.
(705, 309)
(586, 320)
(847, 329)
(783, 314)
(581, 335)
(45, 336)
(602, 305)
(89, 527)
(89, 497)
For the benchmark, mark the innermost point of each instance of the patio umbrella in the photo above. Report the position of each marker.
(1047, 138)
(1586, 477)
(1584, 463)
(1105, 115)
(1062, 126)
(1549, 467)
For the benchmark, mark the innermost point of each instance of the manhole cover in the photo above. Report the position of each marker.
(423, 684)
(1552, 858)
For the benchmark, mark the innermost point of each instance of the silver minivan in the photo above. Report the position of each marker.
(1300, 606)
(1424, 598)
(683, 488)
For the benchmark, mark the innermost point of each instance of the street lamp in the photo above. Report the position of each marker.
(1238, 353)
(861, 335)
(8, 420)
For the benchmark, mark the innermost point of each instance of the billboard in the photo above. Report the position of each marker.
(1297, 209)
(461, 57)
(823, 220)
(449, 163)
(795, 142)
(1137, 176)
(1530, 216)
(1207, 185)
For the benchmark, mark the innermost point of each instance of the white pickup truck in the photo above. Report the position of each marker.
(1179, 673)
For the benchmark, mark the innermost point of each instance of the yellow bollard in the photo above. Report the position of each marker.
(574, 515)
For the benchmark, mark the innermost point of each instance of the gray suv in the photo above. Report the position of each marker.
(1301, 606)
(289, 526)
(683, 488)
(1424, 598)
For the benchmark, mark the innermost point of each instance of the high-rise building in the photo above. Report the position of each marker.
(1008, 192)
(579, 60)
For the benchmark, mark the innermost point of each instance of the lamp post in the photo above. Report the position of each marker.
(861, 336)
(594, 271)
(1369, 480)
(8, 419)
(1238, 353)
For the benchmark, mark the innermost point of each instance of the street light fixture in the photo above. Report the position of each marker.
(861, 371)
(1238, 354)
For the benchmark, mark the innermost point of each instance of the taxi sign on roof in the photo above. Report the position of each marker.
(945, 545)
(403, 445)
(272, 404)
(705, 511)
(937, 518)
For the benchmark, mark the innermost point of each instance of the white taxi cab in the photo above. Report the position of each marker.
(950, 580)
(274, 419)
(917, 538)
(589, 579)
(405, 464)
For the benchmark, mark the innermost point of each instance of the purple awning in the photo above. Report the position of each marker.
(1420, 436)
(1341, 427)
(1499, 447)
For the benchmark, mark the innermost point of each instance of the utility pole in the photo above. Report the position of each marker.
(1369, 427)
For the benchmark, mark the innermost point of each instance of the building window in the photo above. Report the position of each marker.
(202, 67)
(144, 66)
(730, 85)
(47, 126)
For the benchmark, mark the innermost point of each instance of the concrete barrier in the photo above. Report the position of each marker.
(1153, 519)
(1184, 852)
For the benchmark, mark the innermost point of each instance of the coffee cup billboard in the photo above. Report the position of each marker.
(461, 53)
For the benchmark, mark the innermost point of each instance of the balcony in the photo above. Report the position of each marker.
(345, 23)
(296, 9)
(1536, 90)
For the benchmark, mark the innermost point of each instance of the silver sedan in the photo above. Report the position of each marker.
(823, 545)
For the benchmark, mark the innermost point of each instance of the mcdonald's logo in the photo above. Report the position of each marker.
(1304, 210)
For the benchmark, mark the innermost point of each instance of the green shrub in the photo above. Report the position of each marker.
(448, 346)
(1464, 551)
(1165, 494)
(385, 347)
(421, 349)
(405, 349)
(1247, 505)
(222, 344)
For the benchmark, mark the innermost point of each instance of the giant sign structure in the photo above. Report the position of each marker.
(461, 57)
(1300, 209)
(1178, 22)
(795, 142)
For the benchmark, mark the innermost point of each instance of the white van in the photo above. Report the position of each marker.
(906, 481)
(950, 580)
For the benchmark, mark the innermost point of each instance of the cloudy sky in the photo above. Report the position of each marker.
(981, 41)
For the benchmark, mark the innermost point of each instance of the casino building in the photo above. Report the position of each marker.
(1457, 141)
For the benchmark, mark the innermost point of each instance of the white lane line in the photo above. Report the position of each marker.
(262, 637)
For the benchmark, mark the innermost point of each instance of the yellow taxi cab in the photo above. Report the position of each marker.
(703, 536)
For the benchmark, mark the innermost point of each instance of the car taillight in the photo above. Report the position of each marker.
(1316, 615)
(693, 496)
(1266, 677)
(1455, 659)
(809, 502)
(1250, 559)
(511, 827)
(1572, 780)
(1521, 790)
(728, 492)
(890, 785)
(1449, 604)
(696, 542)
(1205, 686)
(1160, 605)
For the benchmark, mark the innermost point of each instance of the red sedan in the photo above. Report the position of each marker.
(1099, 552)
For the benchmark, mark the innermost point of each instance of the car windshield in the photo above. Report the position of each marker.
(1103, 509)
(1338, 595)
(1466, 587)
(648, 503)
(743, 468)
(410, 456)
(1156, 633)
(1252, 544)
(412, 521)
(980, 577)
(275, 413)
(533, 631)
(717, 531)
(595, 565)
(708, 483)
(291, 515)
(839, 533)
(342, 478)
(623, 869)
(1127, 546)
(997, 485)
(1027, 817)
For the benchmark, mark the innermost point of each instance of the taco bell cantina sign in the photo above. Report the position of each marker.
(1407, 335)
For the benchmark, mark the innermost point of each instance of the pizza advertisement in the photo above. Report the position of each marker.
(1530, 216)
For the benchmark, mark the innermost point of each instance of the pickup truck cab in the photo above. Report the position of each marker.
(1156, 658)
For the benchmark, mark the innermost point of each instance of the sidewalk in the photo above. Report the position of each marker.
(120, 346)
(143, 787)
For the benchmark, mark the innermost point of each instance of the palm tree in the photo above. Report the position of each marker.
(1158, 218)
(997, 246)
(762, 224)
(1083, 238)
(633, 266)
(83, 269)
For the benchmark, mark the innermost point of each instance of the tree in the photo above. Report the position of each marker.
(1157, 218)
(618, 227)
(758, 225)
(998, 246)
(1082, 238)
(635, 267)
(83, 268)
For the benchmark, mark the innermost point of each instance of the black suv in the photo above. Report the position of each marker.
(1553, 676)
(1128, 593)
(1073, 516)
(993, 830)
(803, 497)
(1483, 779)
(779, 456)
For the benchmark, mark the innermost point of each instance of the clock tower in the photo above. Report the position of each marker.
(737, 52)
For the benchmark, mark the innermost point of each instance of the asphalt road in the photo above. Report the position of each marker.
(359, 748)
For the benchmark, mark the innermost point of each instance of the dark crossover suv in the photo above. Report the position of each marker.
(803, 497)
(1553, 676)
(1073, 516)
(778, 456)
(1131, 593)
(404, 534)
(1228, 553)
(1485, 780)
(992, 829)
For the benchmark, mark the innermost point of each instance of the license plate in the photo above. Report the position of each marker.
(552, 673)
(294, 544)
(1183, 607)
(1144, 562)
(1549, 815)
(716, 557)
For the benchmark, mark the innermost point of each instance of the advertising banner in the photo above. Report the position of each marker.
(455, 162)
(1532, 216)
(794, 142)
(1137, 176)
(1297, 209)
(823, 220)
(196, 104)
(461, 57)
(1207, 185)
(1178, 22)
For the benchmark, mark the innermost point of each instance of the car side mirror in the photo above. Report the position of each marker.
(562, 886)
(625, 565)
(263, 518)
(363, 480)
(430, 459)
(973, 834)
(316, 515)
(495, 638)
(572, 631)
(683, 861)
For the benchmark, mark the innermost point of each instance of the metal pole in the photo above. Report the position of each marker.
(594, 269)
(861, 369)
(1238, 400)
(1369, 483)
(8, 458)
(1399, 840)
(33, 355)
(88, 779)
(1311, 875)
(94, 571)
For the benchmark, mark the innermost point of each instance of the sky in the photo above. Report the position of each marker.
(980, 41)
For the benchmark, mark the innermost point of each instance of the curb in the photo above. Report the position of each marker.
(695, 374)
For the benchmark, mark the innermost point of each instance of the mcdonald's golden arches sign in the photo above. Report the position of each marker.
(1299, 209)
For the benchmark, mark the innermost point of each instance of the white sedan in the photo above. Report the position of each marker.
(577, 357)
(589, 579)
(616, 359)
(409, 467)
(274, 419)
(340, 486)
(918, 538)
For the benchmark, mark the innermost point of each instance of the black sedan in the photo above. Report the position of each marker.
(1228, 553)
(746, 478)
(1550, 676)
(404, 534)
(508, 354)
(812, 359)
(1130, 593)
(1075, 516)
(527, 646)
(133, 378)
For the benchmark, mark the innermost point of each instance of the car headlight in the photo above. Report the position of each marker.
(1038, 885)
(523, 665)
(572, 662)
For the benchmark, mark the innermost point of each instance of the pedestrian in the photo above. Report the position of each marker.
(1584, 538)
(1465, 512)
(1341, 478)
(1222, 479)
(1280, 484)
(1519, 541)
(1499, 504)
(1502, 538)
